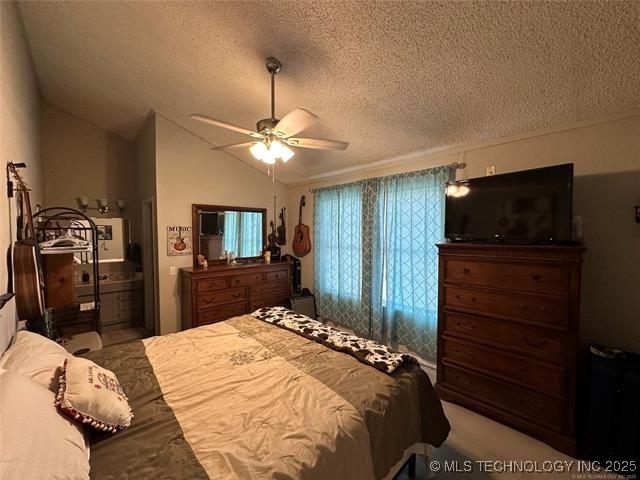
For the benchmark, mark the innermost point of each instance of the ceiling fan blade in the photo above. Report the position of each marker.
(294, 122)
(317, 143)
(233, 145)
(228, 126)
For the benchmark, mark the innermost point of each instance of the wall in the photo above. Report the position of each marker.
(607, 185)
(145, 156)
(19, 118)
(187, 172)
(82, 159)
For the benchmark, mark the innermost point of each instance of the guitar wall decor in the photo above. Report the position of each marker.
(27, 273)
(179, 240)
(282, 232)
(301, 239)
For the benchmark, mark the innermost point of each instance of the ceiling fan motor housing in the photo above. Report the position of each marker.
(266, 125)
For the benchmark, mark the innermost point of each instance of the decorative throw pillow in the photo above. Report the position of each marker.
(36, 357)
(92, 394)
(35, 440)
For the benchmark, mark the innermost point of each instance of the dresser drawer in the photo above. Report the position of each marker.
(535, 407)
(542, 377)
(206, 284)
(277, 276)
(543, 310)
(532, 278)
(268, 302)
(270, 290)
(219, 297)
(220, 313)
(246, 279)
(544, 344)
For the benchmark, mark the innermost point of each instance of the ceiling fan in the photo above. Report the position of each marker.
(273, 137)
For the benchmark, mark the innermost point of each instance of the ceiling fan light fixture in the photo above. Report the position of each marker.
(269, 158)
(258, 150)
(286, 153)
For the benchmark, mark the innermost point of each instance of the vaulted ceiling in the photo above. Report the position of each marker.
(390, 78)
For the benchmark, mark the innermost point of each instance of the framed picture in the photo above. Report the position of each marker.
(105, 232)
(179, 240)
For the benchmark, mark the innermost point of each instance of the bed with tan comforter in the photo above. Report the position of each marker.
(245, 399)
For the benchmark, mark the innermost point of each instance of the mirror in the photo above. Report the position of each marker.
(113, 239)
(217, 229)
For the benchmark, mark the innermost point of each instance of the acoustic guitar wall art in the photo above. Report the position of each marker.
(301, 240)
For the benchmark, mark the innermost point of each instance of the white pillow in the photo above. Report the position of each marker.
(36, 441)
(36, 357)
(91, 394)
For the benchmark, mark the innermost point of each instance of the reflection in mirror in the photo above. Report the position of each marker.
(231, 231)
(113, 239)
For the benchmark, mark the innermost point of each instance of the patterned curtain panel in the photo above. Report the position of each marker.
(375, 261)
(409, 222)
(250, 234)
(231, 228)
(340, 253)
(243, 233)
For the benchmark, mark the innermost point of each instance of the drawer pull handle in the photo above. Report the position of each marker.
(544, 309)
(458, 296)
(470, 325)
(534, 343)
(522, 305)
(466, 270)
(536, 276)
(473, 299)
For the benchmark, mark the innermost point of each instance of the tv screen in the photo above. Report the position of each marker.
(531, 206)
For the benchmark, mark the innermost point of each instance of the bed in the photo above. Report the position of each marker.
(246, 399)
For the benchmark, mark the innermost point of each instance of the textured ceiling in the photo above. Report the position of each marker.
(390, 78)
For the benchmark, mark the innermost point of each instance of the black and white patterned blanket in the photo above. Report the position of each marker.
(369, 352)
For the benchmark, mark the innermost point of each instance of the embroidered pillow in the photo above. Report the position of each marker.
(92, 394)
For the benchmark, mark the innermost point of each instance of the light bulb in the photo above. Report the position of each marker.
(258, 150)
(286, 153)
(268, 157)
(276, 149)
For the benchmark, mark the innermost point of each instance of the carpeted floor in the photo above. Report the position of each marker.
(475, 438)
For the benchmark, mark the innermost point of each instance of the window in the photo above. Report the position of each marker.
(376, 262)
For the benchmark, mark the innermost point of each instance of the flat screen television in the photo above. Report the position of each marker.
(526, 207)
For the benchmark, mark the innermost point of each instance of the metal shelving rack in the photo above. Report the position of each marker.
(51, 223)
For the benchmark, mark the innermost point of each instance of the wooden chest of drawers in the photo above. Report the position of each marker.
(508, 335)
(224, 291)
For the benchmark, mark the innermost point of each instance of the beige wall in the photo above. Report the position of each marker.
(19, 118)
(82, 159)
(607, 186)
(188, 172)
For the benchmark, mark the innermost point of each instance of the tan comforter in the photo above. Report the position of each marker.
(244, 399)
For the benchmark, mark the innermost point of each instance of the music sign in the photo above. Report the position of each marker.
(179, 240)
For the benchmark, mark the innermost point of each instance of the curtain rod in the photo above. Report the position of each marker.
(454, 165)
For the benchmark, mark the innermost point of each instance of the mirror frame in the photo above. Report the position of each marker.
(197, 208)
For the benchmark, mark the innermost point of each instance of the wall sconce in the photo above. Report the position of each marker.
(103, 205)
